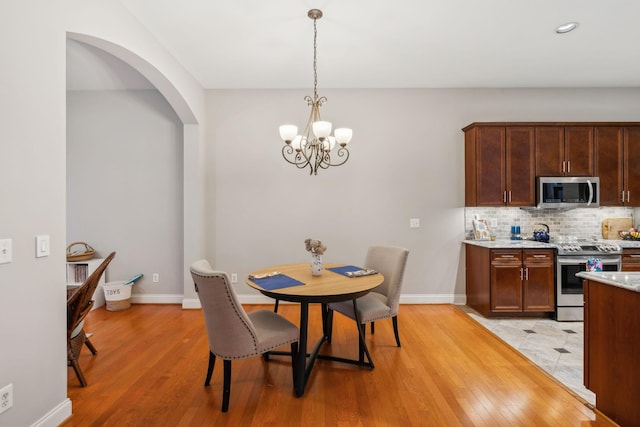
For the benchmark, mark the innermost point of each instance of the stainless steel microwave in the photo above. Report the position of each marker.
(568, 192)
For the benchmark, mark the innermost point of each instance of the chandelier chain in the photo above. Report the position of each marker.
(315, 60)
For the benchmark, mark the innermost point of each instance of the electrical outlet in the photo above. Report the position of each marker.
(155, 278)
(234, 278)
(6, 251)
(6, 398)
(414, 223)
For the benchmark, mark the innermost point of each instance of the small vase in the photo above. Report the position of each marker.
(316, 265)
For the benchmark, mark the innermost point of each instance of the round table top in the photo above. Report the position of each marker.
(328, 287)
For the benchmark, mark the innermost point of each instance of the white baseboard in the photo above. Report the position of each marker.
(404, 299)
(157, 298)
(56, 416)
(190, 303)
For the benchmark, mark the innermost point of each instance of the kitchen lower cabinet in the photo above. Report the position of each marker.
(510, 281)
(611, 349)
(631, 259)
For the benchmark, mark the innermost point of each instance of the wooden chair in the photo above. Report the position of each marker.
(232, 332)
(383, 301)
(79, 304)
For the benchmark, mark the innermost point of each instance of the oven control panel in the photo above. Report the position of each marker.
(607, 248)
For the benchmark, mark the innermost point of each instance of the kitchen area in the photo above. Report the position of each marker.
(574, 236)
(593, 316)
(551, 232)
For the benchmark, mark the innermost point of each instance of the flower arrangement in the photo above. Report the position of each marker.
(314, 246)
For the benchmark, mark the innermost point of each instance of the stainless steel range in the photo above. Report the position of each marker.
(572, 258)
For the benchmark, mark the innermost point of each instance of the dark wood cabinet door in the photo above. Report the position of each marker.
(490, 166)
(506, 281)
(632, 165)
(549, 149)
(631, 260)
(609, 147)
(579, 151)
(538, 284)
(520, 166)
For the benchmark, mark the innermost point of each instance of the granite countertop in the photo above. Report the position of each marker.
(524, 244)
(510, 244)
(622, 279)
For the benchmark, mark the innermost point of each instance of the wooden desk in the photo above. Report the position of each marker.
(329, 287)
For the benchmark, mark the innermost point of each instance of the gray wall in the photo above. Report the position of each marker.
(407, 161)
(33, 173)
(124, 185)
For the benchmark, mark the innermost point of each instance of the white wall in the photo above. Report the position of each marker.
(33, 196)
(124, 185)
(407, 161)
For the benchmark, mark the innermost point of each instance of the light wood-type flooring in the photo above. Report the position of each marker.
(450, 371)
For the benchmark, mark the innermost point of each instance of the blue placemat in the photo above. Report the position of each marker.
(276, 282)
(344, 269)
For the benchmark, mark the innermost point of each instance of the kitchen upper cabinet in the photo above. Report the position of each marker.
(499, 166)
(564, 151)
(616, 165)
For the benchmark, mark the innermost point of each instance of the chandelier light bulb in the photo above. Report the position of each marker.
(321, 129)
(343, 136)
(288, 132)
(297, 142)
(329, 143)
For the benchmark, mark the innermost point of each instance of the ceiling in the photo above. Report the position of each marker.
(400, 44)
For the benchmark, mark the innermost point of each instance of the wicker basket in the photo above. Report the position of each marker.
(117, 295)
(80, 255)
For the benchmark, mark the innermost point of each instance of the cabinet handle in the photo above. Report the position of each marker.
(509, 196)
(521, 274)
(526, 273)
(539, 256)
(633, 256)
(568, 166)
(563, 162)
(628, 196)
(506, 256)
(622, 196)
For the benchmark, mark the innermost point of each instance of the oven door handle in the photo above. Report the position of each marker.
(583, 259)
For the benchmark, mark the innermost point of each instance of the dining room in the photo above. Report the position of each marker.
(201, 174)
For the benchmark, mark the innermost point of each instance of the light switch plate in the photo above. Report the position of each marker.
(6, 251)
(414, 223)
(42, 245)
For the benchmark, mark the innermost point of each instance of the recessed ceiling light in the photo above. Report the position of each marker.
(565, 28)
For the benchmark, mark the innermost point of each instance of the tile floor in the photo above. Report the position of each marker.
(556, 347)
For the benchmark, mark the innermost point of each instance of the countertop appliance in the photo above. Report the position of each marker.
(572, 258)
(562, 192)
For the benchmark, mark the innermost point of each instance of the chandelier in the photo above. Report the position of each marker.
(315, 146)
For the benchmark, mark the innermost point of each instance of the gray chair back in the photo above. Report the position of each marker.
(230, 332)
(391, 262)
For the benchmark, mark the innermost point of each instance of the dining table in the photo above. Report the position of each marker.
(295, 283)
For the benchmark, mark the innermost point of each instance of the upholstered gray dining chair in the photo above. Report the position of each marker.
(383, 301)
(232, 332)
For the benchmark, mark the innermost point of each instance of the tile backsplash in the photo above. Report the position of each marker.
(581, 223)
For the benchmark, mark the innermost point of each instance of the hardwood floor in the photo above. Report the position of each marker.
(152, 362)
